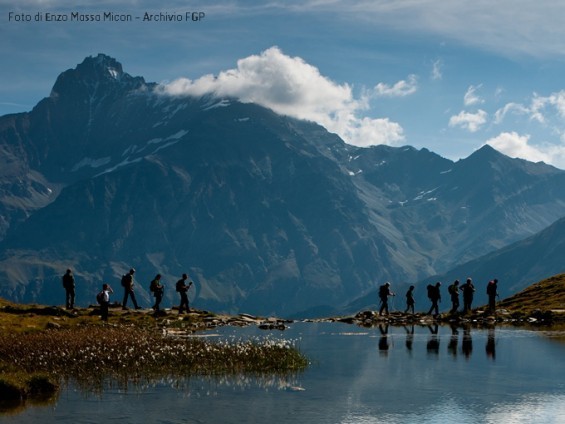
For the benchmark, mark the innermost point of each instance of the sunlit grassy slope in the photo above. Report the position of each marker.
(546, 295)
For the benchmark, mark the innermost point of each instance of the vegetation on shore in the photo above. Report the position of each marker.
(43, 347)
(544, 299)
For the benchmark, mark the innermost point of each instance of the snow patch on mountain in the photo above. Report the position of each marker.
(156, 145)
(422, 194)
(163, 146)
(221, 103)
(353, 173)
(172, 112)
(134, 148)
(123, 163)
(91, 162)
(177, 135)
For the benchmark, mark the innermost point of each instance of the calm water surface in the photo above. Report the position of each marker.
(359, 376)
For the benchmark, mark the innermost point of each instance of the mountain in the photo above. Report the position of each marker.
(267, 214)
(515, 266)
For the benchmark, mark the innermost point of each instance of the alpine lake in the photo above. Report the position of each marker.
(357, 375)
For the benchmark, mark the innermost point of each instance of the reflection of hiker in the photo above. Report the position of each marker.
(454, 339)
(467, 343)
(409, 337)
(490, 346)
(453, 290)
(410, 300)
(69, 285)
(127, 284)
(468, 290)
(384, 293)
(434, 295)
(383, 340)
(157, 289)
(104, 301)
(492, 293)
(433, 343)
(182, 288)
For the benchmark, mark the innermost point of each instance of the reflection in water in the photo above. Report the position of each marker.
(433, 342)
(467, 343)
(490, 346)
(15, 406)
(383, 340)
(527, 410)
(453, 341)
(409, 337)
(348, 382)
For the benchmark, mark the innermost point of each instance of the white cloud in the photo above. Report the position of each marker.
(400, 89)
(437, 73)
(470, 121)
(517, 146)
(290, 86)
(542, 109)
(541, 103)
(516, 108)
(367, 132)
(471, 98)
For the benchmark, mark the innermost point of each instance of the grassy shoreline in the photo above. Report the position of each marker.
(42, 348)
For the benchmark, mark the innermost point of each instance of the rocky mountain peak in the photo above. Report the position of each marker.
(93, 73)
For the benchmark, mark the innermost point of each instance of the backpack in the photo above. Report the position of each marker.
(179, 285)
(451, 289)
(100, 297)
(430, 291)
(125, 280)
(491, 288)
(67, 281)
(383, 292)
(153, 286)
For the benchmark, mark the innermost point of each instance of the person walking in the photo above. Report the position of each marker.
(157, 289)
(104, 301)
(434, 294)
(182, 288)
(453, 290)
(69, 285)
(492, 293)
(410, 300)
(128, 284)
(384, 293)
(468, 290)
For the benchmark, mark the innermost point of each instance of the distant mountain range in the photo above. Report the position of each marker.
(266, 213)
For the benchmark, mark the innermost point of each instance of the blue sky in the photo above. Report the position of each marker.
(449, 76)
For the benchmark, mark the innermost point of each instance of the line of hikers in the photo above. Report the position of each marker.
(434, 294)
(127, 282)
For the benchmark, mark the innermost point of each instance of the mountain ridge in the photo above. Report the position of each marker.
(269, 214)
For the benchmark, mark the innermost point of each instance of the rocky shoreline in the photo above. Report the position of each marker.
(200, 320)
